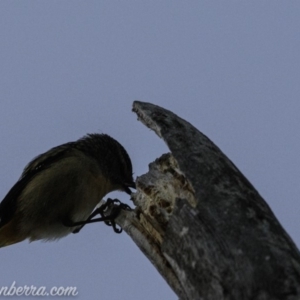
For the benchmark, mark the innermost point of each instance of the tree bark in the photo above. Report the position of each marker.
(203, 225)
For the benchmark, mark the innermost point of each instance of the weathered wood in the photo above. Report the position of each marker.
(203, 225)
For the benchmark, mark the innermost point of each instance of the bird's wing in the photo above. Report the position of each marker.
(46, 159)
(8, 205)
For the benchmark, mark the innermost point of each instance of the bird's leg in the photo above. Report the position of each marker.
(98, 210)
(109, 219)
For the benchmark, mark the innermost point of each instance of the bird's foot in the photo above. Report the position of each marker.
(117, 206)
(114, 205)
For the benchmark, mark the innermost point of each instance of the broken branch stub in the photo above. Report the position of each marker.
(203, 225)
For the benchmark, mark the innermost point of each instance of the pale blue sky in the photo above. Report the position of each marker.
(231, 68)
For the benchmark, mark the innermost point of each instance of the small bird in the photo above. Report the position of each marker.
(59, 189)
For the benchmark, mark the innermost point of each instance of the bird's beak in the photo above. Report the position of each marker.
(127, 187)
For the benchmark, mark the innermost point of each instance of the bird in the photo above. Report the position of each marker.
(59, 189)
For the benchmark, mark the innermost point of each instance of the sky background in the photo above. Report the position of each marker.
(67, 68)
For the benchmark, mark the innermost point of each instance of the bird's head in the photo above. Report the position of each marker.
(112, 159)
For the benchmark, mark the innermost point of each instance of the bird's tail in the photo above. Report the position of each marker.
(9, 235)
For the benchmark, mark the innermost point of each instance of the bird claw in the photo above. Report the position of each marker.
(115, 212)
(109, 220)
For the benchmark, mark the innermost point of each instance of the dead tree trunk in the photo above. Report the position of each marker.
(203, 225)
